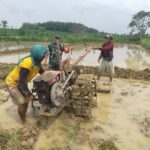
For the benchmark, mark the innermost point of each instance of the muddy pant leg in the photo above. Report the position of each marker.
(98, 77)
(111, 71)
(22, 110)
(110, 78)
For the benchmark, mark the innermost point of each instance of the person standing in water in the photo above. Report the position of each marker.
(106, 54)
(19, 77)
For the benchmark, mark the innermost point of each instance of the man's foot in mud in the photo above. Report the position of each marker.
(29, 123)
(107, 83)
(26, 124)
(42, 122)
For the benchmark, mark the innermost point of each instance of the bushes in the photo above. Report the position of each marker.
(19, 35)
(66, 37)
(127, 39)
(145, 43)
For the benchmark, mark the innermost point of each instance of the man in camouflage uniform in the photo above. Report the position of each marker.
(55, 54)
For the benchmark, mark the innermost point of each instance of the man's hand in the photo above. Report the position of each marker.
(94, 48)
(29, 98)
(98, 60)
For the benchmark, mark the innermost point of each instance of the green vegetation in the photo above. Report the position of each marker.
(126, 39)
(68, 27)
(145, 42)
(107, 145)
(10, 140)
(74, 32)
(140, 23)
(69, 32)
(47, 36)
(18, 139)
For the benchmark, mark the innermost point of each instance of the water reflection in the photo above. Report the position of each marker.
(126, 56)
(6, 46)
(137, 58)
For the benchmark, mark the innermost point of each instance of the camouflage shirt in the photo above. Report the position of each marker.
(55, 53)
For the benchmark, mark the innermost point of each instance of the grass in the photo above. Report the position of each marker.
(47, 36)
(145, 42)
(10, 141)
(107, 145)
(71, 130)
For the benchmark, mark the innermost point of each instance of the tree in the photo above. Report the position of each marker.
(4, 24)
(22, 31)
(140, 23)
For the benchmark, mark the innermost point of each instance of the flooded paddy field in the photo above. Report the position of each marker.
(125, 56)
(121, 120)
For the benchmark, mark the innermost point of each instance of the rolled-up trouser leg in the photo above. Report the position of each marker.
(22, 110)
(19, 100)
(16, 95)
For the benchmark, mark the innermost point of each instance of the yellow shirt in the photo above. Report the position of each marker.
(13, 77)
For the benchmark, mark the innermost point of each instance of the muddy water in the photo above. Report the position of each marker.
(6, 46)
(9, 117)
(118, 118)
(126, 56)
(121, 113)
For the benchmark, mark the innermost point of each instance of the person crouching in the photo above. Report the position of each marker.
(19, 77)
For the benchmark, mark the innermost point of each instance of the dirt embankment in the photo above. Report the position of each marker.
(120, 72)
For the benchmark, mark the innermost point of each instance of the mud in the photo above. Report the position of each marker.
(120, 72)
(4, 96)
(4, 71)
(20, 139)
(121, 120)
(145, 127)
(71, 133)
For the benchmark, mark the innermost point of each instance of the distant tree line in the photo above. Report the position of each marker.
(75, 32)
(68, 27)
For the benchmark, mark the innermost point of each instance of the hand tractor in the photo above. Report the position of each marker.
(55, 90)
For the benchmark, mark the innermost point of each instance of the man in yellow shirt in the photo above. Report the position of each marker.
(18, 78)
